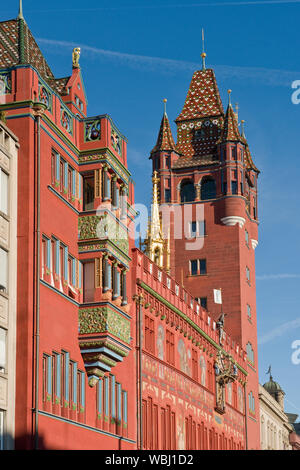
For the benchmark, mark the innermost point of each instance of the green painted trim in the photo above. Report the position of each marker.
(189, 321)
(86, 153)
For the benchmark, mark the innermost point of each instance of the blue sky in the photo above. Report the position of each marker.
(137, 52)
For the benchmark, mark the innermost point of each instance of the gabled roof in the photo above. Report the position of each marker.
(165, 139)
(18, 46)
(203, 98)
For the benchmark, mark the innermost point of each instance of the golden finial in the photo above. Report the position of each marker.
(165, 105)
(229, 97)
(203, 55)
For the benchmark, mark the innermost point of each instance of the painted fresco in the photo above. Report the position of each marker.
(187, 398)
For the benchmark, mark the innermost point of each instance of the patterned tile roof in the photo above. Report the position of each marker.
(187, 162)
(165, 139)
(248, 159)
(18, 46)
(203, 98)
(59, 84)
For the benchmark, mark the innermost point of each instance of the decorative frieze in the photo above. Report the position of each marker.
(101, 354)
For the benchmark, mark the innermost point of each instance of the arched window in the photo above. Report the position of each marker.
(208, 189)
(187, 191)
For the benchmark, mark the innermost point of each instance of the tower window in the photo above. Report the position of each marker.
(234, 187)
(247, 237)
(208, 189)
(167, 195)
(250, 353)
(202, 266)
(248, 274)
(187, 192)
(193, 229)
(194, 267)
(249, 311)
(198, 266)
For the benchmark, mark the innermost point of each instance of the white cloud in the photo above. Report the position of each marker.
(279, 331)
(267, 76)
(269, 277)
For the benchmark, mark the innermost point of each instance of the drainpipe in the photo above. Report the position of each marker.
(38, 110)
(139, 303)
(246, 425)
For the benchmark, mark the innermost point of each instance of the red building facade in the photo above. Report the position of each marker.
(113, 352)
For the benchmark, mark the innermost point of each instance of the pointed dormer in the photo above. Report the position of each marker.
(164, 155)
(230, 132)
(165, 141)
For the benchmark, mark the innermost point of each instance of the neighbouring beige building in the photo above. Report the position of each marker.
(275, 428)
(8, 283)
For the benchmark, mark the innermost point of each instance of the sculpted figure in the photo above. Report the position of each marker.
(76, 56)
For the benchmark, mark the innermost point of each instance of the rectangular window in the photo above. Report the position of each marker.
(88, 281)
(3, 192)
(2, 349)
(170, 352)
(202, 228)
(3, 270)
(202, 266)
(61, 175)
(53, 168)
(149, 334)
(248, 274)
(70, 183)
(234, 153)
(88, 192)
(62, 260)
(203, 302)
(247, 237)
(194, 267)
(193, 229)
(234, 187)
(167, 195)
(224, 188)
(194, 364)
(248, 311)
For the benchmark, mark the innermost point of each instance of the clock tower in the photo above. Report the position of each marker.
(208, 188)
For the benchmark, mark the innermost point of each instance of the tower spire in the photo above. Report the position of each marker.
(203, 55)
(20, 16)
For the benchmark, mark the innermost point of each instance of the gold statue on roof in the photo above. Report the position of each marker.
(76, 56)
